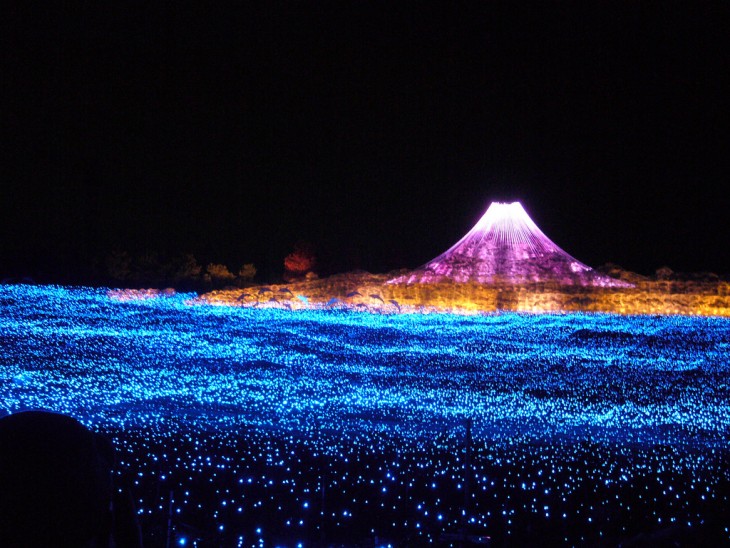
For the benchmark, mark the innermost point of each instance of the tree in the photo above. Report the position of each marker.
(118, 265)
(246, 274)
(148, 269)
(219, 274)
(664, 273)
(299, 262)
(186, 270)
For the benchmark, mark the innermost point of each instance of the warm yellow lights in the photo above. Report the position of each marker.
(360, 292)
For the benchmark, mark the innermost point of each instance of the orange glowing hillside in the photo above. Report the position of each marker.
(371, 292)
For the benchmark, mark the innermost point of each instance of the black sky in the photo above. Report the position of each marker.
(377, 131)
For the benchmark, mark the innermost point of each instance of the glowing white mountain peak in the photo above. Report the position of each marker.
(506, 246)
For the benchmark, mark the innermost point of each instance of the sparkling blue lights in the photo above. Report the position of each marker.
(292, 426)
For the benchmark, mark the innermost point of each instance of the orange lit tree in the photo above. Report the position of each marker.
(218, 275)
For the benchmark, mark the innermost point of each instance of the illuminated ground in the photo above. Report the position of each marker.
(307, 426)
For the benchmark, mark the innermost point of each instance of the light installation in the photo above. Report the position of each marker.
(248, 426)
(506, 246)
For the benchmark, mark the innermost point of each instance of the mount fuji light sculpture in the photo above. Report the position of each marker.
(507, 247)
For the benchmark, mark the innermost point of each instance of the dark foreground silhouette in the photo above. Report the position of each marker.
(57, 485)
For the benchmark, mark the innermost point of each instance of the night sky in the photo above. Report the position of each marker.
(377, 131)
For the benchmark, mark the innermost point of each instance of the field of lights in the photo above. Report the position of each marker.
(267, 427)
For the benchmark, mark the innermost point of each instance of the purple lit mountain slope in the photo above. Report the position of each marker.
(506, 246)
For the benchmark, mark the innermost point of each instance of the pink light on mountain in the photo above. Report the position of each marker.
(506, 246)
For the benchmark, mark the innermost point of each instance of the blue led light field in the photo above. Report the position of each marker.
(302, 426)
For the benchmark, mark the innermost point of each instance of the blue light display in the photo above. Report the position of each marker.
(289, 427)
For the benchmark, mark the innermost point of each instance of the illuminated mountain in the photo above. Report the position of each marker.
(506, 246)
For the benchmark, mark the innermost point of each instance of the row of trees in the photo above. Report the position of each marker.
(185, 272)
(662, 274)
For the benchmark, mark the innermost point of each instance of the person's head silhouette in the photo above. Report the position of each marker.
(56, 485)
